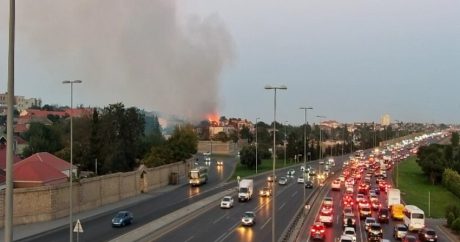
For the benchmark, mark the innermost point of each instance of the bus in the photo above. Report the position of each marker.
(198, 176)
(414, 217)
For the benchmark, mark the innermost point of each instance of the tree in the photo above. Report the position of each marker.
(248, 157)
(454, 140)
(221, 136)
(181, 146)
(245, 133)
(42, 138)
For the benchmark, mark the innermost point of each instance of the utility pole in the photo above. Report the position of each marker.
(257, 144)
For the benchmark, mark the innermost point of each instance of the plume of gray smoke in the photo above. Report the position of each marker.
(135, 52)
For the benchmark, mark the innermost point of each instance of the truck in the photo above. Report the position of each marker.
(245, 189)
(198, 176)
(394, 197)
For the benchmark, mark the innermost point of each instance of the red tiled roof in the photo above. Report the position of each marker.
(3, 157)
(79, 112)
(43, 113)
(45, 157)
(20, 128)
(36, 172)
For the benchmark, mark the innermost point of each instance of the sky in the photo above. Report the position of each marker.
(351, 61)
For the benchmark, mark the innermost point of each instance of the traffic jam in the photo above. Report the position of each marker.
(363, 205)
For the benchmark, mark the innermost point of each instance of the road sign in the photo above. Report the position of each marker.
(78, 228)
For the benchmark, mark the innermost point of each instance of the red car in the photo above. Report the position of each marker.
(347, 201)
(318, 231)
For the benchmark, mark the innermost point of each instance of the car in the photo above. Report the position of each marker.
(302, 168)
(335, 186)
(220, 163)
(409, 238)
(349, 190)
(346, 238)
(364, 204)
(397, 211)
(349, 220)
(375, 205)
(427, 234)
(308, 184)
(347, 201)
(375, 230)
(291, 172)
(328, 201)
(399, 231)
(326, 209)
(365, 212)
(350, 231)
(321, 162)
(271, 178)
(360, 197)
(312, 172)
(347, 211)
(265, 192)
(248, 219)
(368, 221)
(283, 181)
(326, 218)
(383, 215)
(226, 202)
(318, 231)
(122, 218)
(300, 179)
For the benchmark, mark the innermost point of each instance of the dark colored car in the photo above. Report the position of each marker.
(122, 218)
(308, 184)
(409, 238)
(375, 231)
(427, 234)
(384, 215)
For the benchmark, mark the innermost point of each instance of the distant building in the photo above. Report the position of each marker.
(20, 102)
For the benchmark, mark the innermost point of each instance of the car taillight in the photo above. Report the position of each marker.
(322, 231)
(313, 230)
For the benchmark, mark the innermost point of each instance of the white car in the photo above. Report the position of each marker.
(351, 232)
(227, 202)
(283, 181)
(346, 238)
(300, 179)
(248, 219)
(336, 185)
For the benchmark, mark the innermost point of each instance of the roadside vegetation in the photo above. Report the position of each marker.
(415, 188)
(436, 170)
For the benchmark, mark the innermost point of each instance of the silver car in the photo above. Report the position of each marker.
(283, 181)
(227, 202)
(400, 231)
(248, 219)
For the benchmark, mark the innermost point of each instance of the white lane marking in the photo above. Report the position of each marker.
(295, 193)
(220, 218)
(268, 220)
(189, 239)
(282, 206)
(228, 233)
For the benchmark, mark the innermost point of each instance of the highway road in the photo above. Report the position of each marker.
(98, 228)
(219, 225)
(334, 232)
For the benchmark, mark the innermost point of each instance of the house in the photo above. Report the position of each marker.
(28, 173)
(53, 161)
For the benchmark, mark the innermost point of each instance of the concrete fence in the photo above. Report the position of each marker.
(46, 203)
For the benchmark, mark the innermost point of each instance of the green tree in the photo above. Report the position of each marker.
(221, 136)
(42, 138)
(248, 157)
(454, 140)
(245, 133)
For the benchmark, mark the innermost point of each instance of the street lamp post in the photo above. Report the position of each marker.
(71, 157)
(305, 148)
(257, 144)
(275, 88)
(285, 140)
(320, 142)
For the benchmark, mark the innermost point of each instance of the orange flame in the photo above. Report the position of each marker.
(213, 118)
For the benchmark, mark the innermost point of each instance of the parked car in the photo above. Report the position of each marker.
(227, 202)
(122, 218)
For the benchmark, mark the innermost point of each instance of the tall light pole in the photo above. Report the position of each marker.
(285, 140)
(71, 157)
(9, 129)
(275, 88)
(320, 137)
(257, 144)
(305, 109)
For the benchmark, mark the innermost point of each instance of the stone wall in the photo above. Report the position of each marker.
(51, 202)
(217, 147)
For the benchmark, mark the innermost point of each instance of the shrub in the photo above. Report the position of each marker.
(456, 225)
(450, 219)
(451, 180)
(452, 208)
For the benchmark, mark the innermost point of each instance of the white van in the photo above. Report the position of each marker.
(414, 217)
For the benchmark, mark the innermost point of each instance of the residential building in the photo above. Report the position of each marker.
(20, 102)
